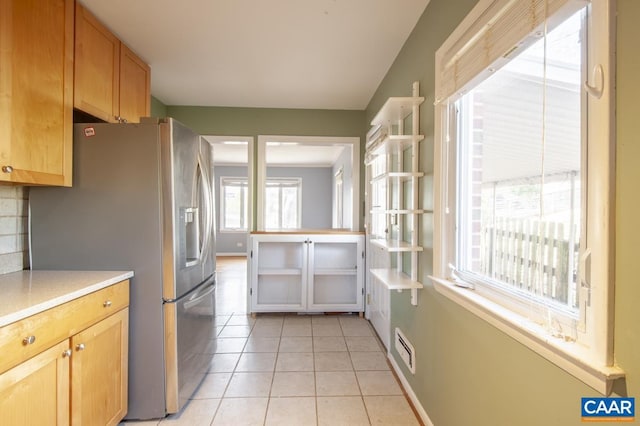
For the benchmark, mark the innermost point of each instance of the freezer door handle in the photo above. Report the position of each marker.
(198, 298)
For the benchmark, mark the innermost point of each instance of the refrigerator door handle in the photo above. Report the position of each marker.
(208, 214)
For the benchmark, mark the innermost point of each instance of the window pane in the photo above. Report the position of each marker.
(290, 207)
(232, 207)
(519, 170)
(272, 207)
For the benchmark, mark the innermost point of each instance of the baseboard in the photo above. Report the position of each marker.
(407, 388)
(240, 254)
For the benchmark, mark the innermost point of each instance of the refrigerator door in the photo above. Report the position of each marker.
(187, 211)
(188, 355)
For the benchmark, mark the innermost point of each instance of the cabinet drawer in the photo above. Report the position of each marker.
(25, 338)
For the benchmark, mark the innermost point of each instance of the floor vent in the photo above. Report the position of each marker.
(405, 350)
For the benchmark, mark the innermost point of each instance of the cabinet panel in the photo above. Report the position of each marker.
(97, 67)
(280, 290)
(281, 255)
(336, 273)
(135, 83)
(278, 274)
(99, 372)
(334, 290)
(36, 89)
(335, 255)
(36, 392)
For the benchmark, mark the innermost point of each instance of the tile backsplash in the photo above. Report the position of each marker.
(14, 245)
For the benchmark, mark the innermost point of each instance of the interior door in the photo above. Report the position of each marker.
(377, 303)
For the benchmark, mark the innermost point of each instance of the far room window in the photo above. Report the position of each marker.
(522, 219)
(283, 203)
(234, 204)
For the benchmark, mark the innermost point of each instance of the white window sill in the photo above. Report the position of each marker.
(233, 231)
(570, 356)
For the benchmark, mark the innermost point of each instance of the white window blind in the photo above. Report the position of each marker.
(491, 37)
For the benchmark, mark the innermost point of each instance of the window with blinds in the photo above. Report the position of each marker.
(523, 187)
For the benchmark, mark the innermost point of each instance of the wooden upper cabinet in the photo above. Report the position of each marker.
(36, 91)
(111, 82)
(97, 67)
(135, 86)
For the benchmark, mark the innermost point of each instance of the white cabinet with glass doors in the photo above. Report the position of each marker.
(306, 272)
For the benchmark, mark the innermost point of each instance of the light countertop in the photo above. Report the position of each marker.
(26, 293)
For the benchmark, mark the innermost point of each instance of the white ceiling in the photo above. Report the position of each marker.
(325, 54)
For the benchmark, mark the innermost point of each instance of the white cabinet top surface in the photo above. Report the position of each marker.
(26, 293)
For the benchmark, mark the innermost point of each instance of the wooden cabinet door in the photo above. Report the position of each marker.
(99, 372)
(36, 392)
(97, 68)
(135, 83)
(36, 89)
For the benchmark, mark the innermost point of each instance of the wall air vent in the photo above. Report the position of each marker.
(405, 350)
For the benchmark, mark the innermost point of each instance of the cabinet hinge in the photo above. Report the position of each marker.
(250, 292)
(251, 254)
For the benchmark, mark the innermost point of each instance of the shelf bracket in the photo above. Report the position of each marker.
(414, 296)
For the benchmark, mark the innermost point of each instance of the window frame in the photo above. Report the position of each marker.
(244, 207)
(590, 357)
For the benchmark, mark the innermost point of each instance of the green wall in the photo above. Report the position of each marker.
(467, 371)
(223, 121)
(158, 109)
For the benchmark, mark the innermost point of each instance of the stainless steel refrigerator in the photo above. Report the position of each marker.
(142, 200)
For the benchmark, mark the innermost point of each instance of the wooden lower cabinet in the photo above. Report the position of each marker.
(80, 380)
(36, 392)
(99, 372)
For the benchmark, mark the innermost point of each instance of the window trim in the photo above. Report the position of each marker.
(245, 209)
(591, 359)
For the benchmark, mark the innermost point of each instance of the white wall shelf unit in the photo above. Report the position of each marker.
(392, 166)
(396, 280)
(312, 272)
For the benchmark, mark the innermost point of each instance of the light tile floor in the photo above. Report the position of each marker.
(291, 370)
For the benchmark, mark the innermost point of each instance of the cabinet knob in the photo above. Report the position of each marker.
(80, 347)
(7, 169)
(66, 353)
(107, 304)
(28, 340)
